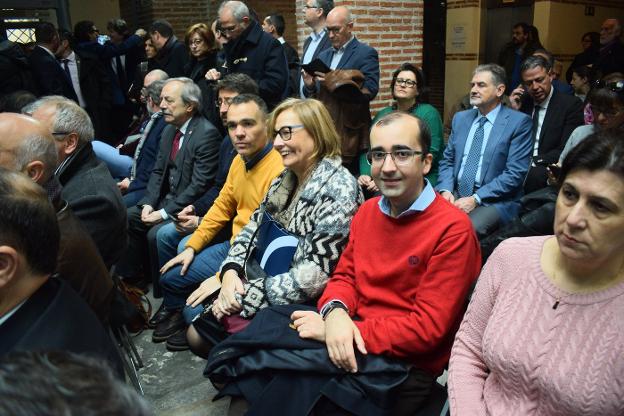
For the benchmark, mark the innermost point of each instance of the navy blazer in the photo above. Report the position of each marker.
(147, 156)
(262, 57)
(325, 44)
(564, 114)
(359, 56)
(50, 75)
(197, 163)
(505, 160)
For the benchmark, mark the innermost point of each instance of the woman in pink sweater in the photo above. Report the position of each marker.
(544, 332)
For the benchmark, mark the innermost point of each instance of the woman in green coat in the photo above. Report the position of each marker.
(408, 89)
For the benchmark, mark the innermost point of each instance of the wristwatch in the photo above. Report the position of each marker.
(334, 304)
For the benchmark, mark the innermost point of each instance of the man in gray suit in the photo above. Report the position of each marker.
(185, 168)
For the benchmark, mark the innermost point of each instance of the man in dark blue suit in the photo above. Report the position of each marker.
(252, 52)
(315, 16)
(135, 186)
(555, 116)
(346, 53)
(488, 154)
(50, 77)
(346, 94)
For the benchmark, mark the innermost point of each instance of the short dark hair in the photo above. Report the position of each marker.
(118, 25)
(68, 36)
(423, 90)
(278, 21)
(45, 32)
(63, 383)
(163, 27)
(603, 150)
(238, 83)
(425, 132)
(534, 62)
(15, 101)
(584, 71)
(82, 30)
(28, 222)
(251, 98)
(525, 27)
(326, 5)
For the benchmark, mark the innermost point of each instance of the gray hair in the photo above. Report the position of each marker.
(159, 74)
(238, 8)
(535, 61)
(497, 72)
(69, 117)
(190, 94)
(37, 147)
(154, 89)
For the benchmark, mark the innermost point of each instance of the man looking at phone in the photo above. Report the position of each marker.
(555, 115)
(185, 167)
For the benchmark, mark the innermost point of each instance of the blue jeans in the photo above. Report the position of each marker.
(118, 165)
(176, 288)
(169, 243)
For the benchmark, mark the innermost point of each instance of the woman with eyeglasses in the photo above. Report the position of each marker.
(312, 202)
(543, 334)
(409, 92)
(203, 50)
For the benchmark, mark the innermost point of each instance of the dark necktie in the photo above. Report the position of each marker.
(175, 146)
(65, 63)
(467, 180)
(121, 74)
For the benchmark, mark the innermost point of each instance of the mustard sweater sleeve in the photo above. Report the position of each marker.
(221, 211)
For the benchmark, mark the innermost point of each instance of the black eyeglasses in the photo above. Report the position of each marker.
(226, 101)
(406, 82)
(286, 132)
(306, 7)
(400, 157)
(227, 30)
(60, 133)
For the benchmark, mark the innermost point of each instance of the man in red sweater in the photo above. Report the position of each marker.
(401, 284)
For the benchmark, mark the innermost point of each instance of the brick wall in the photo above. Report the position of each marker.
(393, 27)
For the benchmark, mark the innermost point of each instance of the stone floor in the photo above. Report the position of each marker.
(173, 381)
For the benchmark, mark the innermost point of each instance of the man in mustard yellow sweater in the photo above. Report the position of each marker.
(248, 180)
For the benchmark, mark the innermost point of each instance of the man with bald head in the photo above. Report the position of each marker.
(611, 58)
(251, 51)
(27, 147)
(351, 115)
(87, 184)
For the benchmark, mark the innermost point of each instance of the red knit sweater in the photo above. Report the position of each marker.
(407, 280)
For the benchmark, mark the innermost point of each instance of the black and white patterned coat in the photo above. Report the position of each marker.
(321, 219)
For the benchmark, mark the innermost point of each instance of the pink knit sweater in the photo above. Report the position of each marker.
(515, 354)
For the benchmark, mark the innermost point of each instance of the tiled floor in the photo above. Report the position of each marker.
(173, 381)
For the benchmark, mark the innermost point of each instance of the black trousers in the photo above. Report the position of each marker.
(411, 396)
(141, 257)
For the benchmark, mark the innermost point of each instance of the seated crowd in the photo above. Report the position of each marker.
(302, 247)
